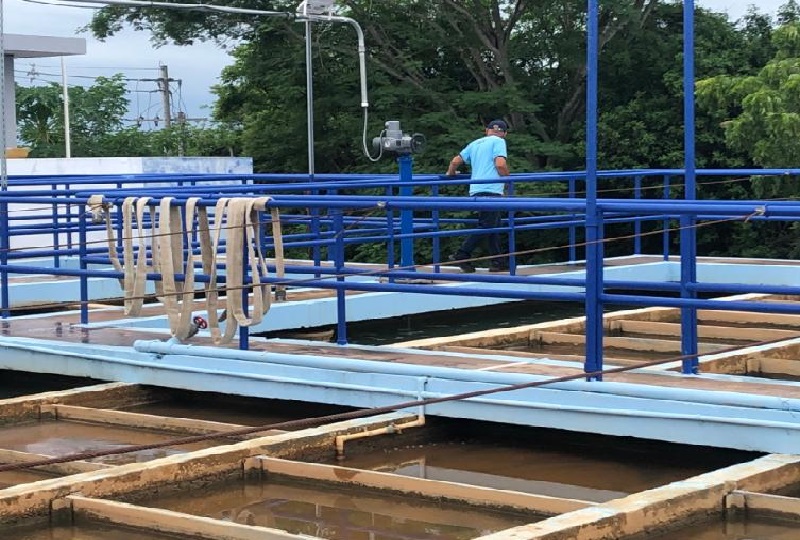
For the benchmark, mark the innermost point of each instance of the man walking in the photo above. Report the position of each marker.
(487, 159)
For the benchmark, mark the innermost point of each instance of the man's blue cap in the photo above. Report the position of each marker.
(497, 125)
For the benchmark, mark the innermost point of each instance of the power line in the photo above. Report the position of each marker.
(164, 88)
(121, 68)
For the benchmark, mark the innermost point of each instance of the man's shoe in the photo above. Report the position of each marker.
(466, 267)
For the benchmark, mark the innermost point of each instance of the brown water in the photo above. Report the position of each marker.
(61, 438)
(328, 512)
(89, 532)
(16, 383)
(462, 321)
(735, 530)
(234, 410)
(13, 478)
(545, 462)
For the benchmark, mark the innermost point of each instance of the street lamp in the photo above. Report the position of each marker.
(306, 8)
(315, 7)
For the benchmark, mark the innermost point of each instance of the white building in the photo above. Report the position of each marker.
(29, 46)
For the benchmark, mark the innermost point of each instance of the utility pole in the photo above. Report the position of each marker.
(163, 87)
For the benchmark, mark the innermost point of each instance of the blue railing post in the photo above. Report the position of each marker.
(315, 231)
(5, 246)
(594, 247)
(330, 255)
(637, 223)
(406, 216)
(119, 222)
(56, 229)
(665, 233)
(338, 262)
(437, 248)
(688, 230)
(512, 237)
(84, 279)
(244, 331)
(573, 238)
(390, 243)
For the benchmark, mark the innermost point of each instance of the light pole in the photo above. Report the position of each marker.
(311, 7)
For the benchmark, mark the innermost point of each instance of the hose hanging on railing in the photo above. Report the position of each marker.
(234, 216)
(168, 259)
(101, 213)
(169, 234)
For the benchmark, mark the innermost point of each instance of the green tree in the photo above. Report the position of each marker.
(97, 128)
(442, 67)
(763, 109)
(641, 113)
(759, 114)
(95, 112)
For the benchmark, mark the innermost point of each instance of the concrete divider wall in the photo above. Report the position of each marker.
(664, 508)
(136, 480)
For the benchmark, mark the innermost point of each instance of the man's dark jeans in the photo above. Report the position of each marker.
(486, 220)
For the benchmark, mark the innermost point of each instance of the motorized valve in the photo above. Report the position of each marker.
(393, 140)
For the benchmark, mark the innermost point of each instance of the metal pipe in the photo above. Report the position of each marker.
(594, 255)
(406, 216)
(189, 7)
(390, 429)
(309, 101)
(688, 233)
(173, 352)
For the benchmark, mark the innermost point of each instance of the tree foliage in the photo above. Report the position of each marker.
(96, 111)
(762, 109)
(442, 67)
(445, 67)
(97, 126)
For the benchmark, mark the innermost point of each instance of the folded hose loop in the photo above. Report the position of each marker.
(170, 259)
(168, 250)
(101, 211)
(135, 262)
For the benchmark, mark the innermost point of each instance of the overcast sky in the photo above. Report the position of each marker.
(198, 67)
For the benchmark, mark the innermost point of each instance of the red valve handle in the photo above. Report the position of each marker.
(201, 323)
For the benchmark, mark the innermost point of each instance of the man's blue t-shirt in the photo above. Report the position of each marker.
(480, 155)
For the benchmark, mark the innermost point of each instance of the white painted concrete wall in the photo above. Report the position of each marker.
(108, 166)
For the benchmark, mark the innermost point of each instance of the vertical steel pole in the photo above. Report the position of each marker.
(338, 258)
(5, 234)
(512, 237)
(637, 224)
(84, 279)
(573, 256)
(594, 254)
(314, 212)
(435, 224)
(4, 142)
(688, 231)
(390, 243)
(65, 94)
(56, 228)
(244, 331)
(309, 102)
(5, 246)
(406, 216)
(665, 235)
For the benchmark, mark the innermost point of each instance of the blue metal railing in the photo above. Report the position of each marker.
(337, 222)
